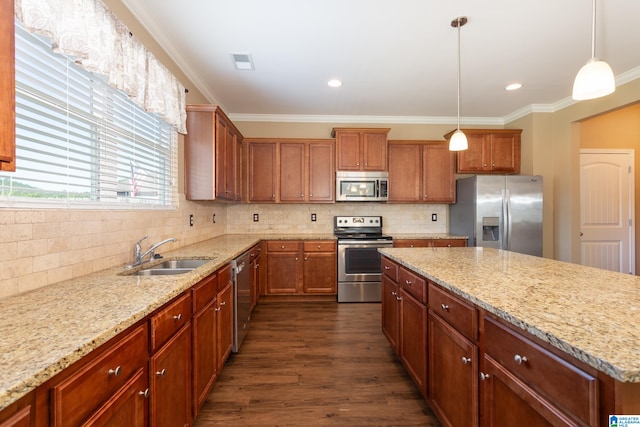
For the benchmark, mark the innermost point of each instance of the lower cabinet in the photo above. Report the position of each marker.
(205, 366)
(19, 414)
(224, 324)
(301, 267)
(428, 243)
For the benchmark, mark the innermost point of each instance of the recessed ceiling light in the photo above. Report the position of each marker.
(335, 83)
(513, 86)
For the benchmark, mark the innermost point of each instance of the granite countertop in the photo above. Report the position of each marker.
(46, 330)
(591, 314)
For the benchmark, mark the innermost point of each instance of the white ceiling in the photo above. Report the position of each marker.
(397, 58)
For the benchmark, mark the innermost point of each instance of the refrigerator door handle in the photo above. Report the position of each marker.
(508, 222)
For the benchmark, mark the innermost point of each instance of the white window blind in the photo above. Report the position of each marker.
(82, 142)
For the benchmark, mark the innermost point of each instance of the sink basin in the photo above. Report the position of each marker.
(171, 267)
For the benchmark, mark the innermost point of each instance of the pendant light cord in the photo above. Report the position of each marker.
(459, 25)
(593, 30)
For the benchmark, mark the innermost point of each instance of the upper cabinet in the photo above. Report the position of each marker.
(421, 172)
(361, 149)
(7, 88)
(291, 170)
(212, 155)
(490, 151)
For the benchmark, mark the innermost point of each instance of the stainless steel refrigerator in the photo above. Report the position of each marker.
(499, 211)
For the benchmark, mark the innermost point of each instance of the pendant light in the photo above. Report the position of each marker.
(595, 78)
(458, 140)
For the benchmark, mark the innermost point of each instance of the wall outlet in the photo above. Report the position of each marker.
(434, 217)
(256, 217)
(313, 217)
(214, 218)
(190, 220)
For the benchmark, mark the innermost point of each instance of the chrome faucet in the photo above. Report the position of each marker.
(139, 255)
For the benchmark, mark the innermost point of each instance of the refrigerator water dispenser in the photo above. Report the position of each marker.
(490, 228)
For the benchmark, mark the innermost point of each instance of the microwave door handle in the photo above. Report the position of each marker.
(377, 181)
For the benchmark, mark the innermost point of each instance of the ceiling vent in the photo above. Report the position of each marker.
(242, 61)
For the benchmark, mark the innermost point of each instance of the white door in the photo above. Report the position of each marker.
(607, 209)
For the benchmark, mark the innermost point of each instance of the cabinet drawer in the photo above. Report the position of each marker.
(458, 313)
(413, 284)
(570, 388)
(204, 291)
(448, 243)
(319, 246)
(283, 246)
(390, 268)
(169, 320)
(254, 252)
(411, 243)
(75, 398)
(224, 277)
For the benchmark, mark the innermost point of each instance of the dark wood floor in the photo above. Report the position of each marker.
(319, 363)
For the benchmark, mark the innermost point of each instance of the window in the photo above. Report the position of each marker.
(81, 142)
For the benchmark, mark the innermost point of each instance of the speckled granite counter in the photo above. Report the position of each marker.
(591, 314)
(46, 330)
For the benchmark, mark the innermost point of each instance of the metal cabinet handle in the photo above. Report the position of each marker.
(306, 258)
(466, 360)
(218, 308)
(161, 373)
(407, 282)
(223, 303)
(386, 267)
(483, 376)
(520, 359)
(178, 316)
(398, 298)
(144, 393)
(115, 372)
(282, 247)
(394, 293)
(318, 246)
(444, 306)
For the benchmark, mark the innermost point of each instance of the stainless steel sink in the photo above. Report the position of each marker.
(170, 267)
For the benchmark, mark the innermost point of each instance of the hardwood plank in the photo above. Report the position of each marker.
(316, 363)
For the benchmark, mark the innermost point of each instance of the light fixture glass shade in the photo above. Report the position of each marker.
(458, 141)
(595, 79)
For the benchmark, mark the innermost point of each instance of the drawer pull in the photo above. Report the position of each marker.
(115, 372)
(520, 359)
(483, 376)
(318, 246)
(407, 282)
(282, 247)
(444, 306)
(394, 293)
(144, 393)
(178, 316)
(218, 309)
(398, 298)
(223, 303)
(466, 360)
(161, 373)
(386, 267)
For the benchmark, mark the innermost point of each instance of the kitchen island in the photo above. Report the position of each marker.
(584, 316)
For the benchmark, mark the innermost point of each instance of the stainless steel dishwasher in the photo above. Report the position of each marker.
(241, 299)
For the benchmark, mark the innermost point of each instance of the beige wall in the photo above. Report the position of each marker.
(618, 129)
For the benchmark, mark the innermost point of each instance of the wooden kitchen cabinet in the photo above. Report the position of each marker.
(109, 385)
(427, 243)
(19, 414)
(224, 310)
(490, 151)
(204, 339)
(170, 400)
(7, 88)
(211, 151)
(421, 172)
(517, 371)
(361, 149)
(255, 275)
(291, 170)
(296, 267)
(262, 170)
(320, 270)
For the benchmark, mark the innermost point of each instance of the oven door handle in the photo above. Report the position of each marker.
(366, 243)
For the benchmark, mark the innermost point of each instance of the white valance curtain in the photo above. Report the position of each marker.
(98, 41)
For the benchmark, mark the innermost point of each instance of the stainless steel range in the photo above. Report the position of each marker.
(359, 265)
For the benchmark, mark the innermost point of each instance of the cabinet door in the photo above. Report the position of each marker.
(200, 155)
(348, 151)
(170, 395)
(413, 339)
(438, 174)
(238, 167)
(7, 88)
(453, 382)
(262, 171)
(404, 173)
(224, 333)
(204, 353)
(292, 179)
(320, 273)
(222, 148)
(476, 158)
(374, 151)
(390, 312)
(283, 274)
(507, 401)
(128, 407)
(322, 172)
(505, 153)
(230, 163)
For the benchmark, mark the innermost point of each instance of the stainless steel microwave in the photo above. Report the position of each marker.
(362, 186)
